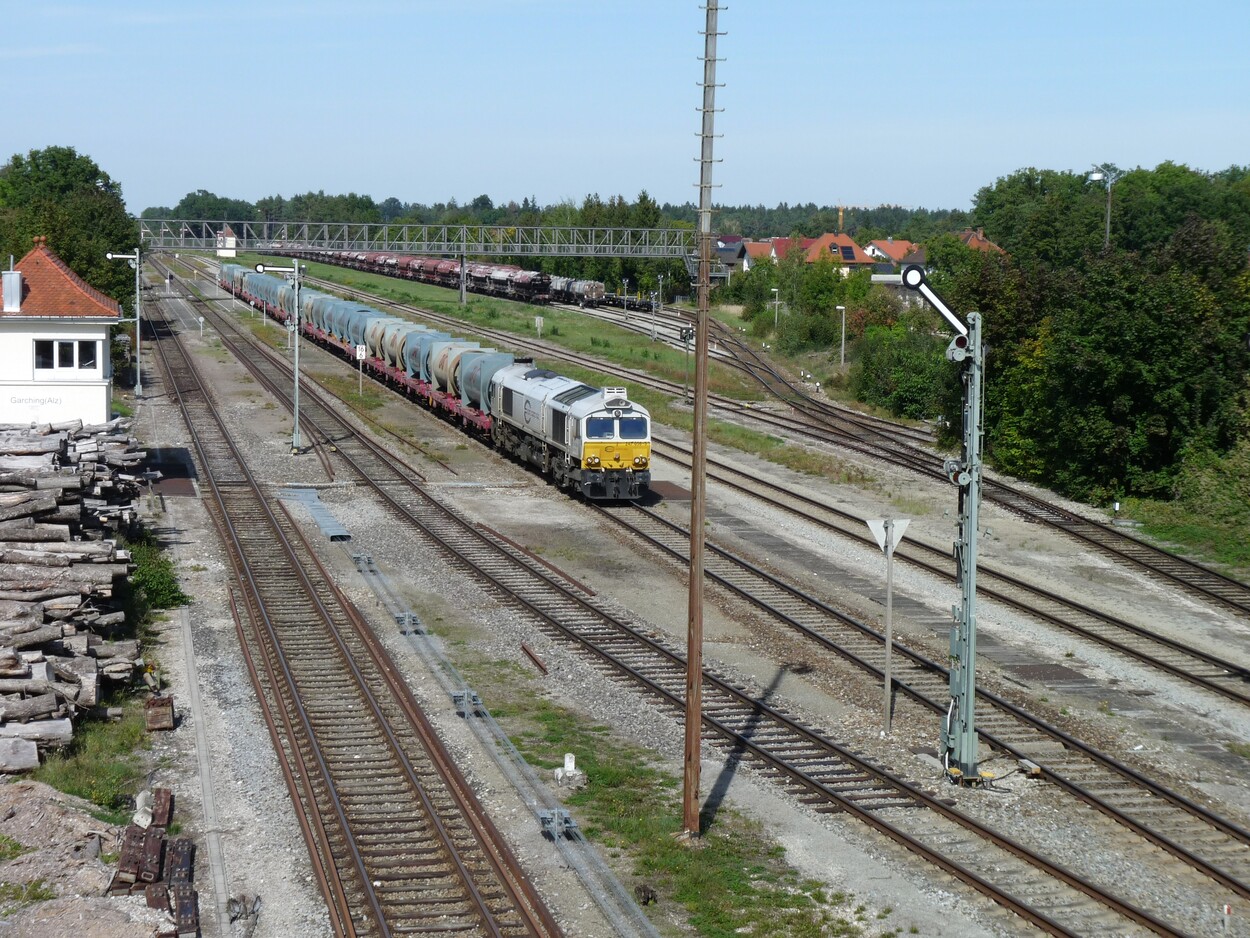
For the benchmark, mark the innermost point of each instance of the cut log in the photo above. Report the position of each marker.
(41, 686)
(35, 479)
(18, 755)
(15, 709)
(83, 670)
(127, 648)
(32, 638)
(50, 594)
(25, 445)
(79, 551)
(62, 514)
(27, 529)
(22, 504)
(42, 462)
(115, 669)
(19, 576)
(39, 558)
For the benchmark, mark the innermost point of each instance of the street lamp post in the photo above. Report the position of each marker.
(137, 263)
(842, 310)
(1107, 174)
(296, 445)
(776, 309)
(659, 302)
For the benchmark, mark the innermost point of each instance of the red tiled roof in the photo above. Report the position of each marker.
(49, 288)
(759, 249)
(978, 241)
(834, 243)
(894, 248)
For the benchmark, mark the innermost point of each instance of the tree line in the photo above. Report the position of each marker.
(1116, 365)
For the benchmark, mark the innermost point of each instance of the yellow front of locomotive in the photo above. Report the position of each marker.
(615, 448)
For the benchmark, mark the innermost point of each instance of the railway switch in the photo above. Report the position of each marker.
(467, 701)
(556, 822)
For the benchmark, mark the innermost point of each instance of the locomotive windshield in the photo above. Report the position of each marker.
(623, 428)
(600, 428)
(633, 428)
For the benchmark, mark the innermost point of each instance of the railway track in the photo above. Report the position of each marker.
(804, 760)
(1198, 838)
(1217, 675)
(398, 842)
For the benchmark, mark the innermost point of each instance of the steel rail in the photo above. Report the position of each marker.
(281, 673)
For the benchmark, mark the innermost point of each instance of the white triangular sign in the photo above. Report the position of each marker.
(897, 527)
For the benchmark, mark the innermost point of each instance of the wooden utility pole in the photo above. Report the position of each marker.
(698, 478)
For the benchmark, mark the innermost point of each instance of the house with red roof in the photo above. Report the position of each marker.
(54, 343)
(977, 240)
(757, 251)
(846, 254)
(890, 250)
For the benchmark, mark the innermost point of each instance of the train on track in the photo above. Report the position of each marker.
(503, 280)
(585, 439)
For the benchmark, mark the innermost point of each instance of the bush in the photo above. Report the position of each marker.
(154, 580)
(904, 370)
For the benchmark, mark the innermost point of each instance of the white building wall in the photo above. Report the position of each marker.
(33, 394)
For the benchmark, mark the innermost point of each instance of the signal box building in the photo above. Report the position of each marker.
(54, 343)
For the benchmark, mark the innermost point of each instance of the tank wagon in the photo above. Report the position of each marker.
(585, 439)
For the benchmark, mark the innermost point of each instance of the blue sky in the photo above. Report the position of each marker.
(910, 102)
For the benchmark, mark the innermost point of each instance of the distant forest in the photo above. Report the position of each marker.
(751, 221)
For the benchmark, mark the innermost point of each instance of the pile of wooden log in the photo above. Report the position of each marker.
(65, 493)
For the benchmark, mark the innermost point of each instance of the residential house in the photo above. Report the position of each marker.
(54, 343)
(846, 254)
(977, 240)
(889, 250)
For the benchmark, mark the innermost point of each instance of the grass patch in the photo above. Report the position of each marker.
(10, 848)
(122, 409)
(735, 881)
(15, 895)
(345, 388)
(102, 764)
(1194, 530)
(1239, 749)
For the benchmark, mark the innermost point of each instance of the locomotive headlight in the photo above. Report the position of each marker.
(592, 460)
(640, 461)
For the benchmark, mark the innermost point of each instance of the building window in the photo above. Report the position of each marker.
(67, 354)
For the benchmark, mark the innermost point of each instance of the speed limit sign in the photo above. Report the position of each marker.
(360, 353)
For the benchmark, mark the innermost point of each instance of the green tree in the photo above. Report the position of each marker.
(65, 196)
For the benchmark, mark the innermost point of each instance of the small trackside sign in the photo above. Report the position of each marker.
(360, 352)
